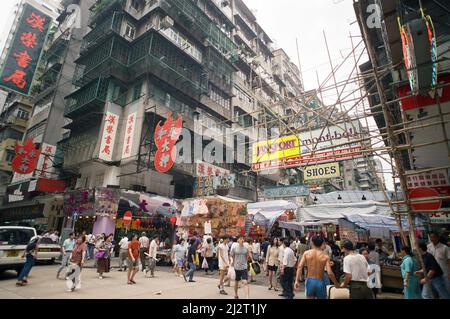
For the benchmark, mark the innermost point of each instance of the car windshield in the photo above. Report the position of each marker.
(15, 236)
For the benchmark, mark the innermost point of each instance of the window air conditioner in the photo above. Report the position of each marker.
(167, 22)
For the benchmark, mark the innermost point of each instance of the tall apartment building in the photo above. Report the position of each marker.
(16, 110)
(30, 198)
(132, 62)
(13, 124)
(148, 58)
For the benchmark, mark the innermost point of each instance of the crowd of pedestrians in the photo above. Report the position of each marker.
(317, 264)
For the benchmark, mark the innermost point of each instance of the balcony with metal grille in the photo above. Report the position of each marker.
(100, 31)
(103, 8)
(87, 99)
(155, 54)
(108, 58)
(220, 71)
(194, 20)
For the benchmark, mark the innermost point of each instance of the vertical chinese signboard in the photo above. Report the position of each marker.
(166, 136)
(25, 51)
(109, 137)
(129, 135)
(45, 167)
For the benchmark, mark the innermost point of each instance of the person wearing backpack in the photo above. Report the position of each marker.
(30, 254)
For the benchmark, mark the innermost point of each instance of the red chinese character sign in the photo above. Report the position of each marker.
(129, 135)
(26, 158)
(166, 137)
(25, 50)
(109, 137)
(45, 168)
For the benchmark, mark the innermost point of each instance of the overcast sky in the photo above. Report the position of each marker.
(288, 20)
(6, 18)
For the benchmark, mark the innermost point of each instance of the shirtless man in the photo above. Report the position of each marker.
(316, 262)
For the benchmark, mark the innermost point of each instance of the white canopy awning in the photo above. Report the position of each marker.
(274, 205)
(376, 221)
(332, 212)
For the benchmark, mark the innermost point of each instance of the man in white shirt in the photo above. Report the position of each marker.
(224, 264)
(144, 244)
(256, 249)
(287, 271)
(66, 250)
(152, 253)
(123, 254)
(54, 237)
(441, 253)
(356, 274)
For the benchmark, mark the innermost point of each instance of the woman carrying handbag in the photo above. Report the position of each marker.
(104, 251)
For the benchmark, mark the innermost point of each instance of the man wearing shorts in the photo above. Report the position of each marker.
(133, 259)
(316, 262)
(241, 254)
(224, 264)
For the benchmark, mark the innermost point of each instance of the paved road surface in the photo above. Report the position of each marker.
(43, 284)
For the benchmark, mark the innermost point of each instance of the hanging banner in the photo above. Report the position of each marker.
(45, 164)
(323, 171)
(79, 201)
(106, 201)
(165, 138)
(129, 135)
(26, 157)
(109, 137)
(25, 50)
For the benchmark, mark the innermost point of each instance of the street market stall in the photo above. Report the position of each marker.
(361, 222)
(326, 219)
(155, 215)
(266, 217)
(215, 215)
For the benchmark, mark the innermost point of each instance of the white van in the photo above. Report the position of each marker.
(13, 242)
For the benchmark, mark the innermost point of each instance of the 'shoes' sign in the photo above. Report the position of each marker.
(25, 51)
(324, 171)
